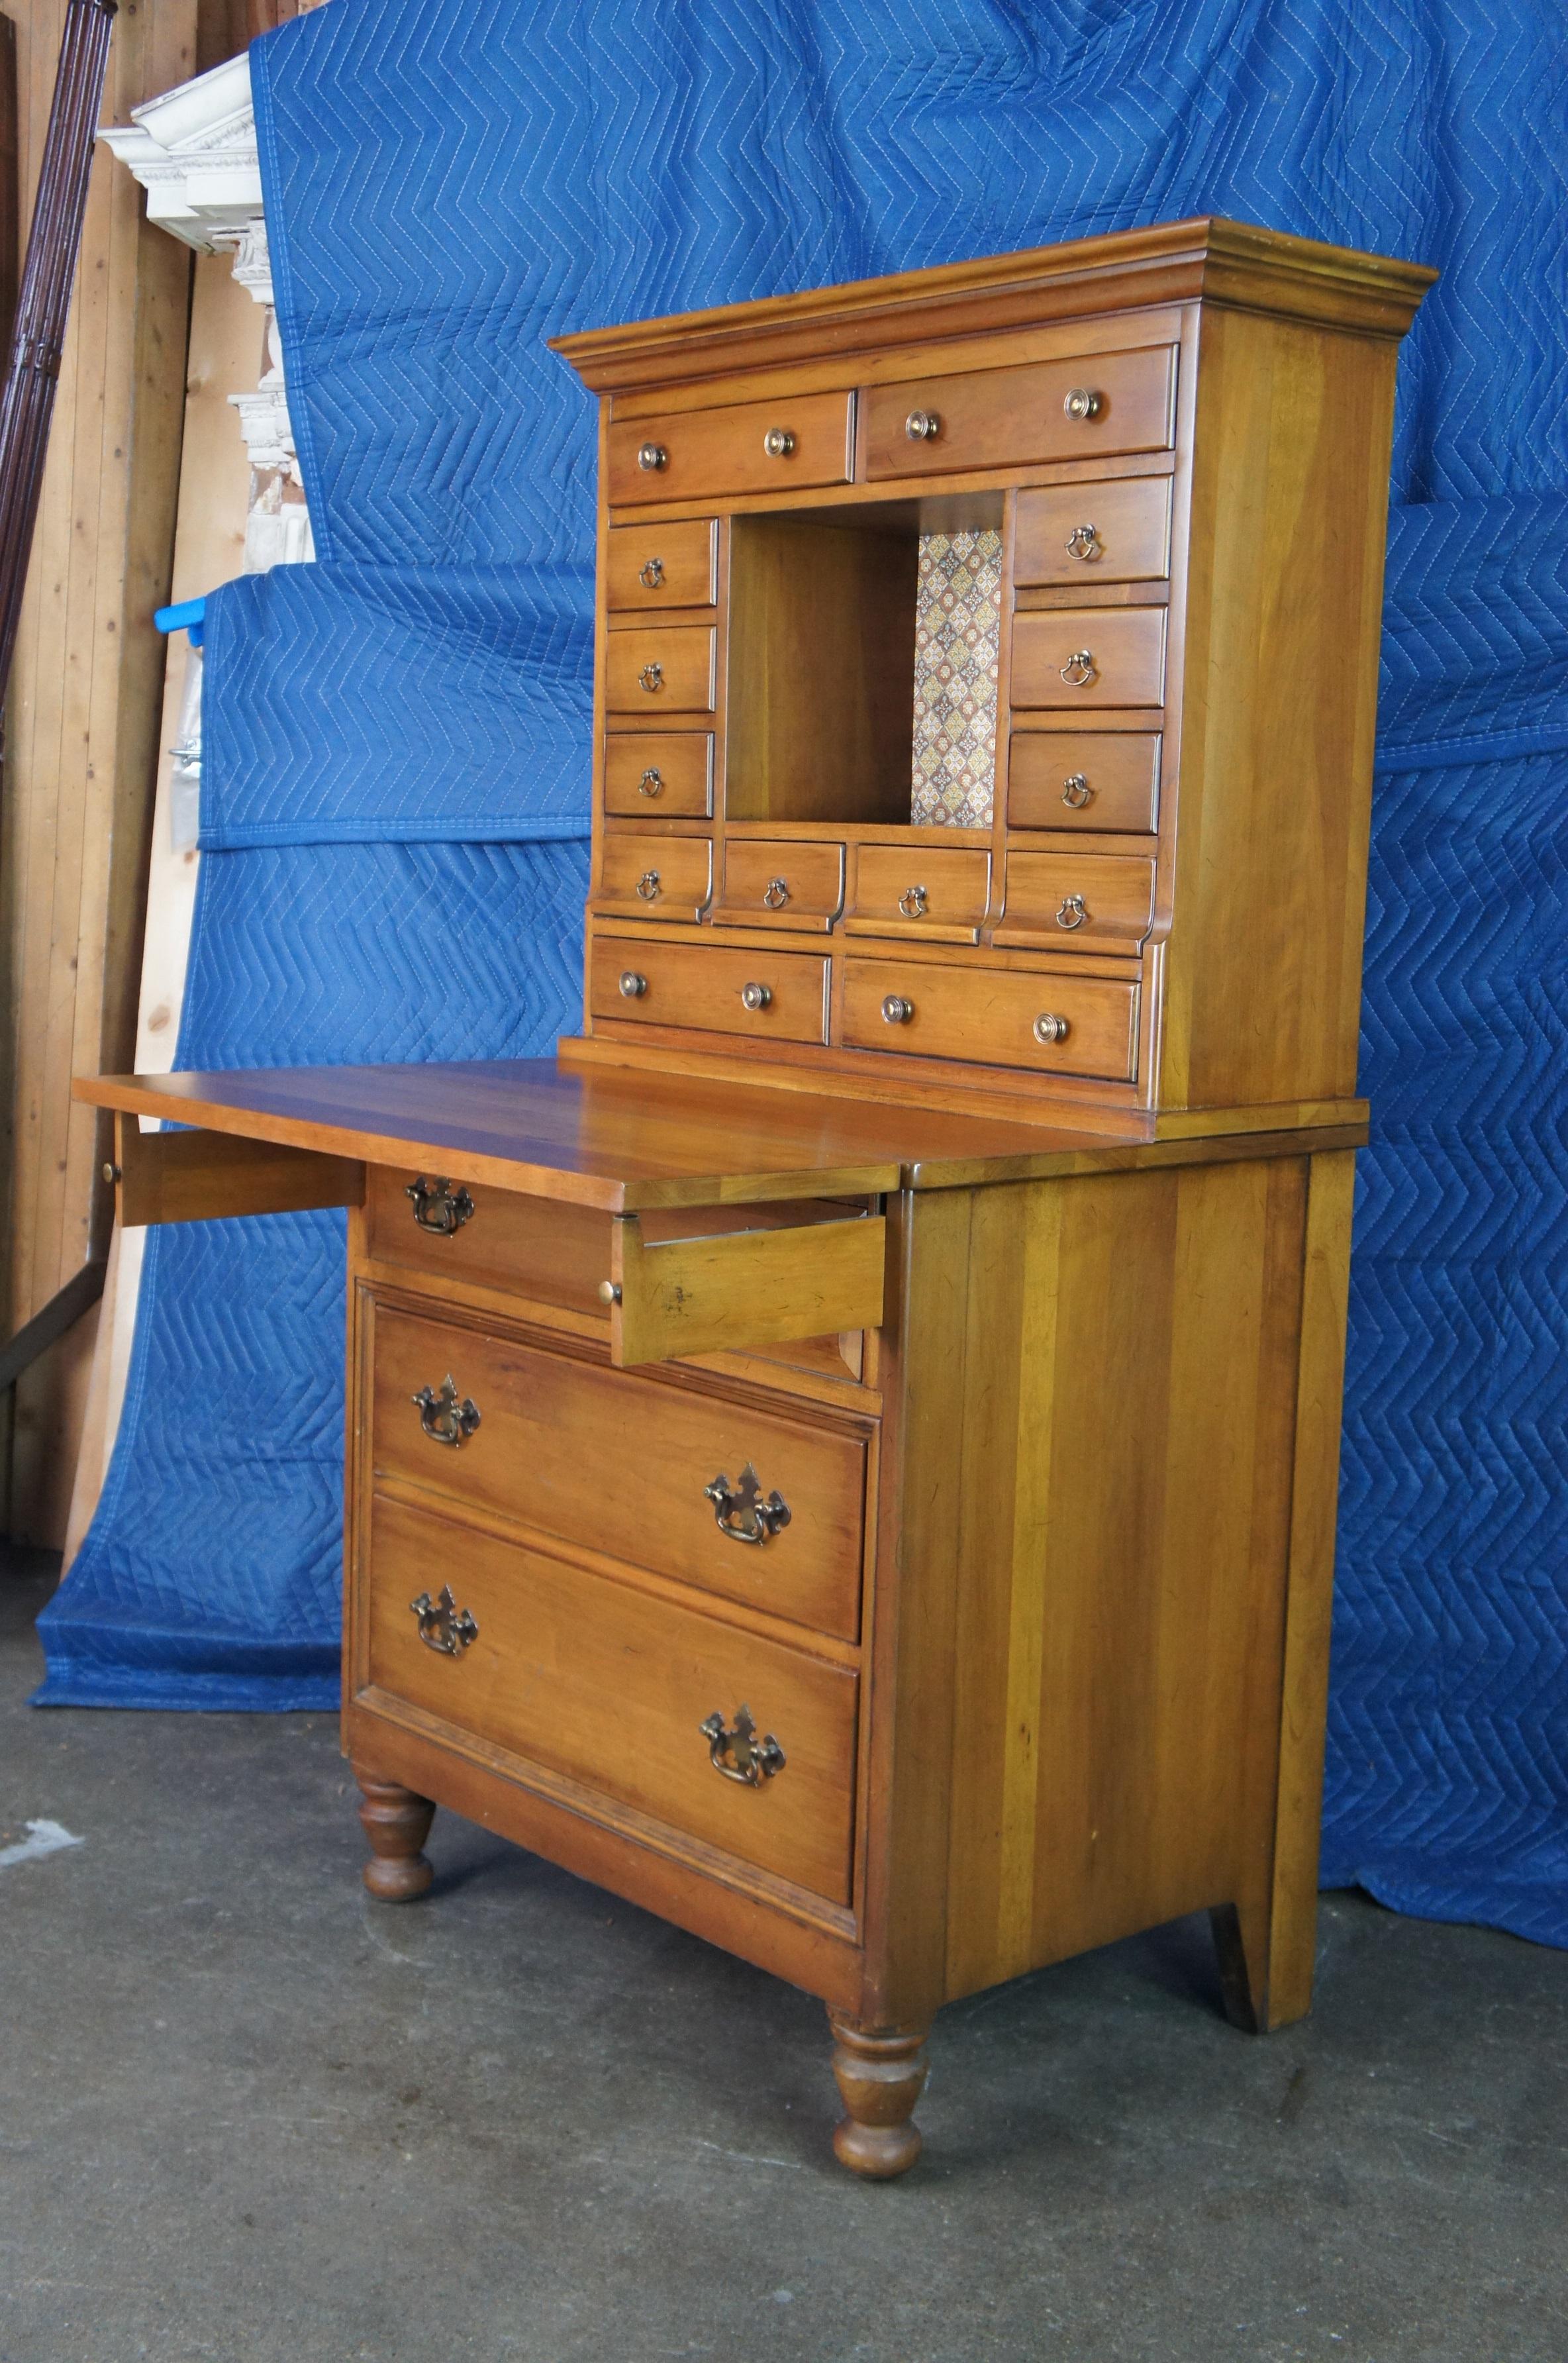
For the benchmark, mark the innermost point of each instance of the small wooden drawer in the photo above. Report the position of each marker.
(668, 773)
(1056, 1024)
(611, 1686)
(1116, 532)
(1089, 657)
(674, 565)
(616, 1463)
(744, 446)
(1090, 778)
(1009, 418)
(936, 890)
(667, 671)
(662, 877)
(1096, 902)
(445, 1229)
(774, 881)
(770, 996)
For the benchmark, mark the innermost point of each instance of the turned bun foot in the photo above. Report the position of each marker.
(881, 2074)
(397, 1823)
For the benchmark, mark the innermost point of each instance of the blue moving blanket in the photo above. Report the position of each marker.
(398, 739)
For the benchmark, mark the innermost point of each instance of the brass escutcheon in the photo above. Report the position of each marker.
(444, 1419)
(737, 1752)
(742, 1511)
(443, 1625)
(437, 1207)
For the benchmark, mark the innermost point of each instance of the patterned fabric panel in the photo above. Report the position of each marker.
(957, 645)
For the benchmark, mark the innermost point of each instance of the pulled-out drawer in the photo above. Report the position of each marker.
(767, 996)
(1056, 1024)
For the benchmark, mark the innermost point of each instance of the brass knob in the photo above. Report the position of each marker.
(609, 1291)
(633, 986)
(111, 1174)
(896, 1010)
(778, 442)
(1083, 403)
(1050, 1030)
(1078, 670)
(651, 781)
(923, 426)
(650, 574)
(775, 893)
(652, 455)
(1083, 542)
(911, 902)
(647, 887)
(652, 677)
(756, 996)
(1076, 790)
(1072, 911)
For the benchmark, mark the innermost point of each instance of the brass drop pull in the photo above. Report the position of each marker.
(756, 996)
(737, 1752)
(742, 1511)
(652, 781)
(923, 426)
(1076, 790)
(775, 893)
(896, 1010)
(443, 1625)
(911, 902)
(1050, 1030)
(652, 455)
(1080, 669)
(633, 986)
(652, 677)
(1084, 542)
(1071, 910)
(444, 1419)
(1083, 403)
(648, 886)
(650, 574)
(437, 1207)
(778, 442)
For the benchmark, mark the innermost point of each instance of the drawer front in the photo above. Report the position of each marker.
(661, 671)
(1089, 657)
(1007, 417)
(770, 996)
(556, 1253)
(1098, 901)
(991, 1017)
(665, 771)
(666, 877)
(745, 447)
(931, 889)
(615, 1463)
(776, 882)
(653, 566)
(1090, 778)
(1115, 532)
(609, 1686)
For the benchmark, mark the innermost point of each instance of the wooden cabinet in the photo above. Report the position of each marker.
(845, 1454)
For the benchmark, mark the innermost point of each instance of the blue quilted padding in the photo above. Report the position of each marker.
(577, 162)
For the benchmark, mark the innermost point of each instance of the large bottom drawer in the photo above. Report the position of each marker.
(610, 1686)
(1000, 1017)
(770, 996)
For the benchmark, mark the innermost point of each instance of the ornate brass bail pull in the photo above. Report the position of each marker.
(742, 1511)
(444, 1419)
(443, 1625)
(737, 1752)
(438, 1207)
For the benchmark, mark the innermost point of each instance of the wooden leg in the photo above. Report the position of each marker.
(1241, 1939)
(881, 2074)
(397, 1823)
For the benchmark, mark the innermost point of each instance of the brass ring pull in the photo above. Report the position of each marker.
(443, 1625)
(775, 893)
(652, 677)
(1078, 672)
(633, 986)
(778, 442)
(1076, 790)
(444, 1419)
(737, 1752)
(1084, 541)
(1050, 1030)
(652, 455)
(1072, 911)
(437, 1207)
(1083, 403)
(911, 902)
(742, 1511)
(756, 996)
(651, 781)
(923, 426)
(648, 886)
(650, 574)
(896, 1010)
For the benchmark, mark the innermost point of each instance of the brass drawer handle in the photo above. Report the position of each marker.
(737, 1752)
(756, 996)
(652, 455)
(443, 1625)
(1084, 541)
(648, 886)
(652, 677)
(778, 442)
(650, 574)
(897, 1010)
(633, 986)
(1072, 911)
(775, 893)
(742, 1511)
(438, 1208)
(652, 781)
(444, 1419)
(911, 902)
(1078, 670)
(1050, 1030)
(1076, 790)
(923, 426)
(1083, 403)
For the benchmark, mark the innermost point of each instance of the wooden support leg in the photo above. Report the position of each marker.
(882, 2073)
(1242, 1941)
(397, 1823)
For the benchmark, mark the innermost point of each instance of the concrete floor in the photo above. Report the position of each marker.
(245, 2113)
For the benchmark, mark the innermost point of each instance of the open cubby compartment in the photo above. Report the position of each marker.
(838, 626)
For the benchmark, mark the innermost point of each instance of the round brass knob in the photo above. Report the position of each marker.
(1050, 1030)
(1072, 911)
(633, 986)
(652, 677)
(650, 574)
(775, 893)
(1083, 403)
(111, 1174)
(1078, 670)
(609, 1291)
(647, 887)
(1076, 790)
(1084, 542)
(651, 782)
(896, 1010)
(911, 902)
(756, 996)
(652, 455)
(778, 442)
(923, 426)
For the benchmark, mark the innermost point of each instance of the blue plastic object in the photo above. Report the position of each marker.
(186, 616)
